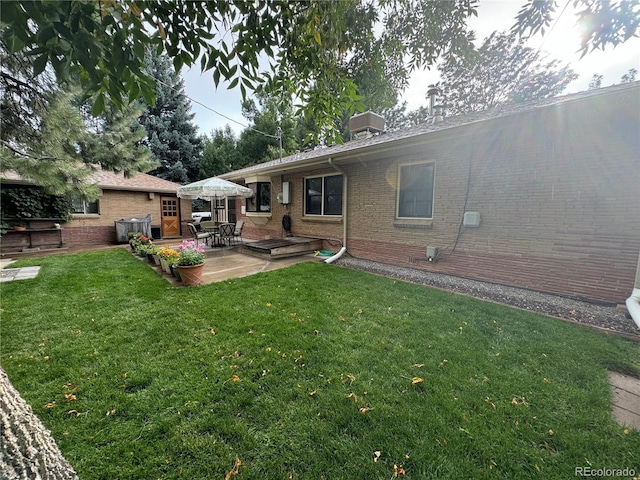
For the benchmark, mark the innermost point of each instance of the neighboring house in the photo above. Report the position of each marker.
(93, 223)
(543, 195)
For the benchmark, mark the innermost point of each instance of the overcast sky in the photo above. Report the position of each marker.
(562, 43)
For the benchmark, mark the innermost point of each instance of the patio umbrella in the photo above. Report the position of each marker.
(213, 188)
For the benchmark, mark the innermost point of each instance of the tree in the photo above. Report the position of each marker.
(172, 137)
(261, 142)
(219, 154)
(630, 76)
(501, 70)
(596, 81)
(307, 44)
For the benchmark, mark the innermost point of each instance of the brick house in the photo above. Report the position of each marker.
(543, 195)
(93, 223)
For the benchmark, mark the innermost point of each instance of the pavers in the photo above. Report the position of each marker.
(24, 273)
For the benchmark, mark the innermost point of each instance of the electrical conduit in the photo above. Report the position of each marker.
(344, 214)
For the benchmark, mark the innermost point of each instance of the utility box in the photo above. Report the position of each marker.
(284, 197)
(471, 219)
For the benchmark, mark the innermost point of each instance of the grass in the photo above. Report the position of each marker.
(304, 372)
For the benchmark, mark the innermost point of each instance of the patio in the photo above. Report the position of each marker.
(228, 262)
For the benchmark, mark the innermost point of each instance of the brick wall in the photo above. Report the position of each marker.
(557, 190)
(115, 205)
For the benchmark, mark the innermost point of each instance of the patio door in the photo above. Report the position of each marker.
(170, 213)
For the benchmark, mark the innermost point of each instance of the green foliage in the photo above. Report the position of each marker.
(219, 154)
(501, 70)
(23, 202)
(171, 135)
(300, 377)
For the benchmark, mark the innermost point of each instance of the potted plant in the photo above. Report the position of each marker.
(165, 255)
(190, 262)
(152, 254)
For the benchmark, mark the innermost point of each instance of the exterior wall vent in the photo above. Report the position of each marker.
(366, 122)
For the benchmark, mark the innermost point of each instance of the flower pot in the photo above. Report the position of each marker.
(176, 272)
(192, 274)
(164, 263)
(156, 258)
(150, 257)
(19, 228)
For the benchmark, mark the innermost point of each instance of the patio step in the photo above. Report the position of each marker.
(282, 247)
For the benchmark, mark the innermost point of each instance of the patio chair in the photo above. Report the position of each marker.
(197, 236)
(225, 234)
(237, 233)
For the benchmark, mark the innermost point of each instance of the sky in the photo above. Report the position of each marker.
(562, 43)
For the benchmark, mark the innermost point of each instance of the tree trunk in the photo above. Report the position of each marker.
(28, 450)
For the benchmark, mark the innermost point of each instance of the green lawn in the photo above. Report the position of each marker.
(304, 373)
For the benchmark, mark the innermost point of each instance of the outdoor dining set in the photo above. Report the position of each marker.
(217, 234)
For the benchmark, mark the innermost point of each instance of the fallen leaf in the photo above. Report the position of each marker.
(70, 396)
(234, 471)
(376, 455)
(364, 410)
(50, 405)
(416, 380)
(488, 400)
(341, 318)
(418, 365)
(551, 432)
(212, 331)
(313, 394)
(443, 362)
(235, 378)
(398, 471)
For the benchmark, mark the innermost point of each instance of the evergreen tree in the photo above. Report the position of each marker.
(171, 136)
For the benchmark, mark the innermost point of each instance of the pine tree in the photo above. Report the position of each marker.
(171, 136)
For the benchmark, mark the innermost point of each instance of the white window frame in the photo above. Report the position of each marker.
(400, 193)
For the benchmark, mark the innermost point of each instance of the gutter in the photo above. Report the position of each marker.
(345, 209)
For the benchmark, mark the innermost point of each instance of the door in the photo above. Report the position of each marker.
(170, 221)
(231, 210)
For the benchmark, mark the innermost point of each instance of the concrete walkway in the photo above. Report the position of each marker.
(10, 274)
(625, 399)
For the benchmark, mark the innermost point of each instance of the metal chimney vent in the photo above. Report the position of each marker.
(366, 122)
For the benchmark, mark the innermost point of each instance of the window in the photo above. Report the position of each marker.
(261, 200)
(415, 190)
(83, 207)
(323, 195)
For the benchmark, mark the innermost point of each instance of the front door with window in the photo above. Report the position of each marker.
(170, 221)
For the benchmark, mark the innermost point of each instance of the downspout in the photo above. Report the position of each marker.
(344, 213)
(633, 302)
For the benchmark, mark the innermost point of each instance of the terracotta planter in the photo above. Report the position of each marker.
(19, 228)
(191, 275)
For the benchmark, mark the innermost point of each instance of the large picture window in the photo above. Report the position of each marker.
(415, 190)
(260, 202)
(323, 195)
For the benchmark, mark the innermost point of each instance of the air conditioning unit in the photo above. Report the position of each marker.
(471, 219)
(366, 122)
